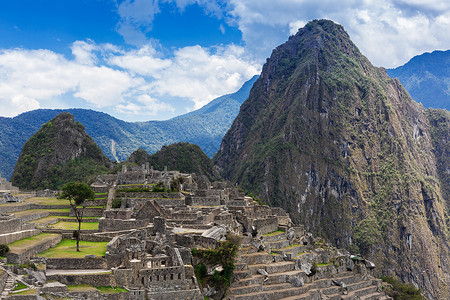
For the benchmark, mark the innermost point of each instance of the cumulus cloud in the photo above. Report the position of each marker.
(404, 28)
(197, 73)
(126, 81)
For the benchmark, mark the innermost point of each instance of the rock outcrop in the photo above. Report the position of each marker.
(60, 152)
(347, 152)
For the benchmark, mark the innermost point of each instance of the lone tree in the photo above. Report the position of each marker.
(77, 193)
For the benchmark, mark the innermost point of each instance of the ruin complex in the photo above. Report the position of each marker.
(151, 221)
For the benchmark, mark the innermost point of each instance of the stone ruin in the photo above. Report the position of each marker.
(152, 233)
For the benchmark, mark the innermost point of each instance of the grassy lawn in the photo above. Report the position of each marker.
(67, 249)
(36, 211)
(273, 233)
(21, 245)
(26, 292)
(74, 225)
(47, 201)
(49, 219)
(19, 286)
(110, 289)
(81, 288)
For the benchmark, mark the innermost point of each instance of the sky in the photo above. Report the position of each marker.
(141, 60)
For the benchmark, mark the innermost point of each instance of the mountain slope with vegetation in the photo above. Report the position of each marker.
(59, 152)
(346, 151)
(427, 78)
(118, 139)
(183, 157)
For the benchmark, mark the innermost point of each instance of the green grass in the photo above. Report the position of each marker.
(47, 201)
(110, 289)
(19, 286)
(20, 245)
(81, 288)
(74, 225)
(26, 292)
(36, 211)
(323, 264)
(293, 245)
(67, 248)
(273, 233)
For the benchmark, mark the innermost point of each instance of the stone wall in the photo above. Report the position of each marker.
(3, 277)
(9, 224)
(193, 294)
(18, 258)
(90, 212)
(14, 208)
(119, 225)
(266, 225)
(7, 238)
(99, 279)
(34, 216)
(76, 263)
(206, 201)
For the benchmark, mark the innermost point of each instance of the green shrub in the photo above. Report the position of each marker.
(3, 250)
(116, 203)
(402, 291)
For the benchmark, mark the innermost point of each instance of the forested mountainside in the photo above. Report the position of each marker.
(184, 157)
(118, 139)
(59, 152)
(427, 78)
(343, 147)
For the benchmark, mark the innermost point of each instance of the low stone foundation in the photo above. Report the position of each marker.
(15, 236)
(76, 263)
(18, 258)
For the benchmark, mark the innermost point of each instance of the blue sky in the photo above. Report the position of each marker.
(144, 60)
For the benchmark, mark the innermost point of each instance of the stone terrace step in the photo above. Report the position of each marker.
(22, 250)
(255, 279)
(361, 292)
(255, 258)
(247, 289)
(277, 244)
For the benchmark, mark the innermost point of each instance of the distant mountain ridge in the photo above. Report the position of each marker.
(118, 139)
(427, 78)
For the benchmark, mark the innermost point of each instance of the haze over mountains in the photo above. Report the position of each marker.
(427, 78)
(347, 152)
(118, 139)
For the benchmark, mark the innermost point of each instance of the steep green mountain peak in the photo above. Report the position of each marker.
(343, 147)
(60, 151)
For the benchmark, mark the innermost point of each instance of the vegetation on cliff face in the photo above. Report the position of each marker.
(118, 139)
(440, 135)
(59, 152)
(345, 150)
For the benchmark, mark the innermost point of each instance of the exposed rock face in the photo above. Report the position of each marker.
(60, 152)
(346, 151)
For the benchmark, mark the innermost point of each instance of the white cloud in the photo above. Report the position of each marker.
(126, 81)
(295, 26)
(84, 52)
(28, 77)
(389, 32)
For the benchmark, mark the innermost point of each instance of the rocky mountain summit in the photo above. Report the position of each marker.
(345, 150)
(59, 152)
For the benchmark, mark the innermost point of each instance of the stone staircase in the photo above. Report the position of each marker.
(278, 275)
(9, 285)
